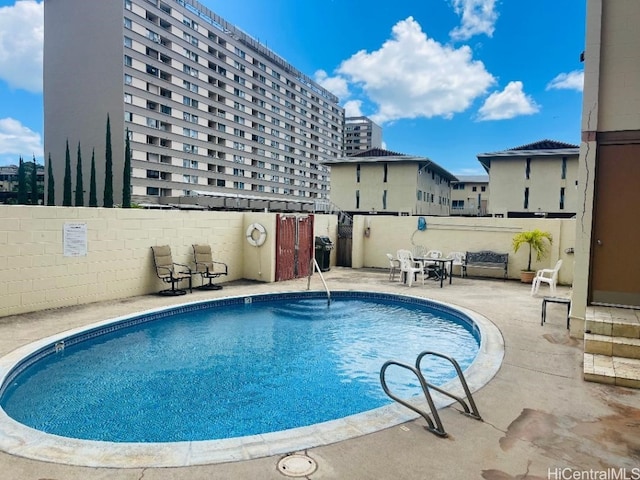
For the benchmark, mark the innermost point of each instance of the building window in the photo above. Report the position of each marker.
(474, 189)
(526, 197)
(358, 173)
(527, 169)
(483, 189)
(386, 171)
(357, 198)
(563, 174)
(384, 200)
(562, 198)
(457, 204)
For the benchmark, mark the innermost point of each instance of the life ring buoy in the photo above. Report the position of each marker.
(256, 239)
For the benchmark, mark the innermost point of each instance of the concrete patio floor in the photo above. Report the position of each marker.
(541, 420)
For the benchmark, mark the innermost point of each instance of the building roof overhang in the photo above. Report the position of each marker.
(377, 155)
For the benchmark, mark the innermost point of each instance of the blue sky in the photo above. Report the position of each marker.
(446, 79)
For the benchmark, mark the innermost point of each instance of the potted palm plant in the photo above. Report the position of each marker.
(539, 243)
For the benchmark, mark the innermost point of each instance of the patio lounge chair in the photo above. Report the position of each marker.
(548, 276)
(170, 272)
(207, 268)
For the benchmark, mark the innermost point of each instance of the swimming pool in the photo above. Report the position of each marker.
(355, 360)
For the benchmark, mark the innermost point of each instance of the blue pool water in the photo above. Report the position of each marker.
(237, 367)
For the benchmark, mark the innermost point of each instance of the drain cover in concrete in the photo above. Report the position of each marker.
(297, 465)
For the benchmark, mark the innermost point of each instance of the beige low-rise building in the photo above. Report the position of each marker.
(385, 182)
(537, 179)
(470, 195)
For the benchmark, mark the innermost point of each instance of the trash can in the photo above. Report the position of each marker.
(324, 245)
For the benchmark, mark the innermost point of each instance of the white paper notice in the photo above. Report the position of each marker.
(75, 239)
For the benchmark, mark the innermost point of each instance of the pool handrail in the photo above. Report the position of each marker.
(314, 263)
(434, 426)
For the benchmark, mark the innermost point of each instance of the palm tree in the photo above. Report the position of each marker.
(537, 241)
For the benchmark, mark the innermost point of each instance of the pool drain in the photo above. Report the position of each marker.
(297, 465)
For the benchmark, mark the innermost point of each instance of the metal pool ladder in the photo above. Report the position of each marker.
(313, 263)
(435, 425)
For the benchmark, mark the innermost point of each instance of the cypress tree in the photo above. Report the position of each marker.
(34, 183)
(22, 183)
(66, 197)
(51, 198)
(79, 182)
(93, 195)
(126, 177)
(108, 169)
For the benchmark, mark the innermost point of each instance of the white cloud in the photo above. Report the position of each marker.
(17, 140)
(509, 103)
(478, 17)
(336, 85)
(353, 108)
(568, 81)
(21, 42)
(414, 76)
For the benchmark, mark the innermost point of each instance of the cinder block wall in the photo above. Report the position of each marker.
(37, 275)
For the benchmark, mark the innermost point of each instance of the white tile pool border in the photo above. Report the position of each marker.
(18, 439)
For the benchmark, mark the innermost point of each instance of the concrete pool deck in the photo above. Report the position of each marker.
(541, 420)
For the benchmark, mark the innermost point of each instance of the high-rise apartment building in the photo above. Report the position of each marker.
(361, 134)
(208, 108)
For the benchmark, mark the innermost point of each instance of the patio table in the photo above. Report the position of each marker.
(436, 268)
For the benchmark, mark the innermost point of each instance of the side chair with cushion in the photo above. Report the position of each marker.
(548, 276)
(170, 272)
(207, 268)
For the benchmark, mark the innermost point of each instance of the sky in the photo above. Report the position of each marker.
(445, 79)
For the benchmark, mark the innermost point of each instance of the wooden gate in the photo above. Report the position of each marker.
(294, 246)
(345, 241)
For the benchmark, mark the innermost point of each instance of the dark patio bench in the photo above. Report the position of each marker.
(485, 259)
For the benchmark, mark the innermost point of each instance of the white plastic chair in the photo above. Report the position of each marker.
(548, 276)
(409, 267)
(394, 266)
(458, 259)
(419, 251)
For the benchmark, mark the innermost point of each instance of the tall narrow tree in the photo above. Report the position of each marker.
(22, 183)
(35, 195)
(108, 169)
(126, 177)
(79, 181)
(66, 196)
(93, 194)
(51, 196)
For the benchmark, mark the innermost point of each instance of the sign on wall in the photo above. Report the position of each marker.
(75, 239)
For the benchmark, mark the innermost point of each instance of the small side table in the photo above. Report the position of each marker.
(545, 300)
